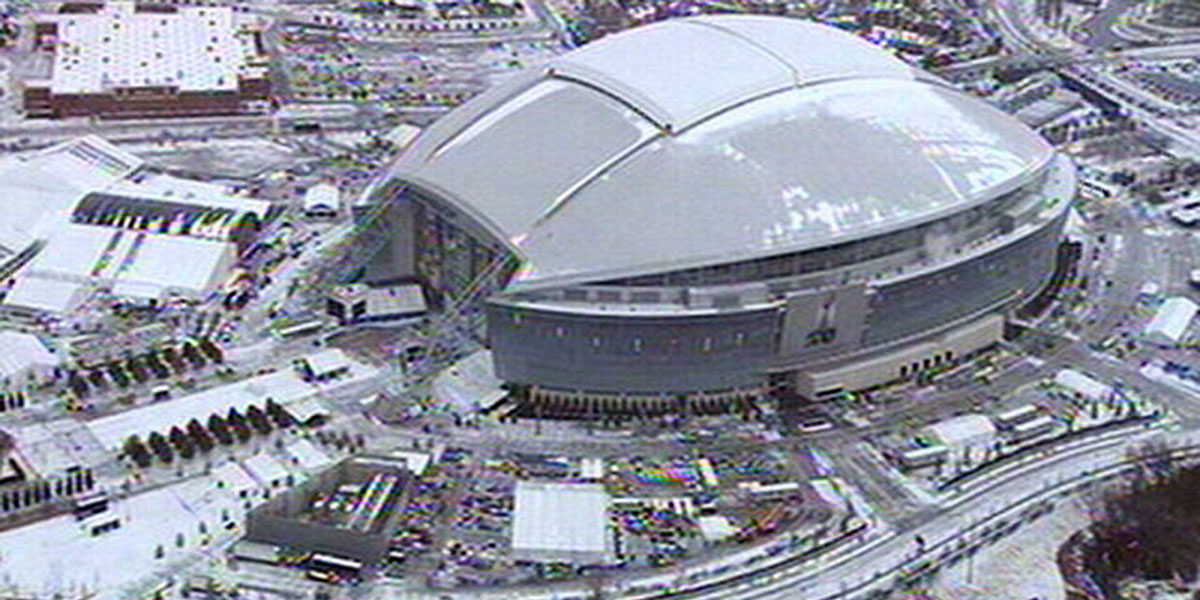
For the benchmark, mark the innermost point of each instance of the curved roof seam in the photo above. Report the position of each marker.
(607, 166)
(552, 73)
(753, 44)
(499, 103)
(615, 161)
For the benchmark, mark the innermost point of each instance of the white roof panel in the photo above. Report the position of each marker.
(159, 256)
(964, 430)
(231, 476)
(327, 361)
(21, 351)
(491, 159)
(561, 522)
(50, 295)
(814, 52)
(322, 195)
(265, 468)
(1171, 320)
(1082, 384)
(308, 456)
(676, 88)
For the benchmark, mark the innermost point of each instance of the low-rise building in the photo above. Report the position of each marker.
(562, 522)
(347, 511)
(359, 303)
(127, 60)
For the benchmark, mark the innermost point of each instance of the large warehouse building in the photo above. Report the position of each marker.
(700, 210)
(131, 60)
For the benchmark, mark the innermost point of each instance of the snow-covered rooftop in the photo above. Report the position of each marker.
(49, 295)
(22, 351)
(233, 478)
(1171, 320)
(307, 456)
(135, 263)
(323, 196)
(964, 430)
(266, 469)
(561, 522)
(193, 49)
(1082, 384)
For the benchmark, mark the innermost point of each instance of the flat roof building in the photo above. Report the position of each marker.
(965, 431)
(126, 60)
(24, 354)
(322, 200)
(360, 303)
(348, 511)
(562, 522)
(85, 216)
(1082, 385)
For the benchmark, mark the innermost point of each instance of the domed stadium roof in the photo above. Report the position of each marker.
(709, 140)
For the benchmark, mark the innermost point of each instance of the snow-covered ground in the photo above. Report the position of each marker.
(1018, 567)
(222, 157)
(57, 556)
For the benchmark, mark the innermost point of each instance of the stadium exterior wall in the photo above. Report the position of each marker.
(626, 353)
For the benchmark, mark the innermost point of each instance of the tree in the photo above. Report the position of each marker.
(136, 451)
(220, 430)
(193, 355)
(182, 443)
(258, 420)
(211, 350)
(239, 426)
(280, 416)
(1147, 528)
(204, 442)
(161, 448)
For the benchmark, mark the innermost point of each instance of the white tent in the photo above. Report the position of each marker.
(1082, 384)
(1171, 321)
(561, 522)
(964, 431)
(22, 353)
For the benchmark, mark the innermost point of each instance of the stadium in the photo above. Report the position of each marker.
(690, 214)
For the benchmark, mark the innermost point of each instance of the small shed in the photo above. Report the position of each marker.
(964, 431)
(1082, 385)
(267, 471)
(322, 200)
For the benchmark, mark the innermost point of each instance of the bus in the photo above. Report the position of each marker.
(297, 329)
(100, 524)
(1011, 418)
(927, 456)
(333, 569)
(89, 505)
